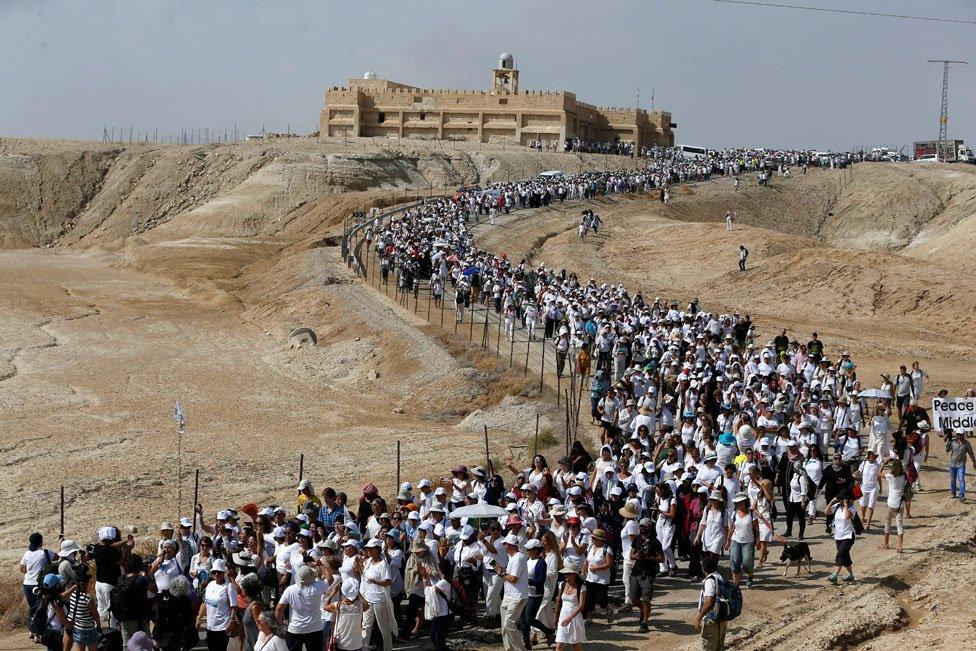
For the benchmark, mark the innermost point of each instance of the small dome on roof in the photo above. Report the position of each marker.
(369, 75)
(506, 61)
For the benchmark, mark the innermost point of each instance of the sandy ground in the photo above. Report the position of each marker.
(102, 332)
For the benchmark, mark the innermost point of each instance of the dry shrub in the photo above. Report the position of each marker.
(13, 608)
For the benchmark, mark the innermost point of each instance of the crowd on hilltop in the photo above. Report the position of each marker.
(711, 446)
(426, 239)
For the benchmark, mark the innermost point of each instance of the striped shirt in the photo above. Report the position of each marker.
(79, 611)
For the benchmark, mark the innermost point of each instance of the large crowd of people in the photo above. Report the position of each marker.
(710, 444)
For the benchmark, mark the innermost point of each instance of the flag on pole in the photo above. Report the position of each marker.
(179, 416)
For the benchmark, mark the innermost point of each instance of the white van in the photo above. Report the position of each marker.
(689, 152)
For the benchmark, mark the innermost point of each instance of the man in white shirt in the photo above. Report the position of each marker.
(918, 380)
(516, 593)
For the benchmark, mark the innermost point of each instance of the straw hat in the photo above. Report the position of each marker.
(629, 511)
(599, 534)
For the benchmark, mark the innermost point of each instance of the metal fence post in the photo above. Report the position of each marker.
(542, 370)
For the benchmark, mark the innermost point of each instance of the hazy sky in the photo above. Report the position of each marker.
(730, 75)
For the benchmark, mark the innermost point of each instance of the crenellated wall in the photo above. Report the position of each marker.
(384, 108)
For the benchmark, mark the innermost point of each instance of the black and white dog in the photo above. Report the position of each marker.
(796, 553)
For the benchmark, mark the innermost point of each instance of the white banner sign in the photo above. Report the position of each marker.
(954, 413)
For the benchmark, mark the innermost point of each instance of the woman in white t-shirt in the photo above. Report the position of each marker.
(348, 614)
(437, 611)
(268, 640)
(32, 564)
(597, 569)
(711, 530)
(216, 608)
(870, 487)
(844, 513)
(897, 482)
(813, 467)
(667, 508)
(742, 535)
(878, 435)
(201, 561)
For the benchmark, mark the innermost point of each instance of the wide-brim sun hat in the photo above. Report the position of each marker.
(628, 510)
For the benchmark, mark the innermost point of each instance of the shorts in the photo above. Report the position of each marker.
(868, 498)
(86, 637)
(596, 595)
(901, 401)
(843, 558)
(641, 587)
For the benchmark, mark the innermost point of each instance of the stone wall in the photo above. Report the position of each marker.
(383, 108)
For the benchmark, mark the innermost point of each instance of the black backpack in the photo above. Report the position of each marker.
(37, 623)
(120, 599)
(51, 567)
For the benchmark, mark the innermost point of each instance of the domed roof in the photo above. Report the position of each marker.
(369, 75)
(506, 60)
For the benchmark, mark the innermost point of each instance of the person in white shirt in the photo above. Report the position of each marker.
(742, 536)
(267, 638)
(516, 593)
(437, 600)
(303, 602)
(348, 614)
(597, 569)
(843, 510)
(628, 534)
(215, 609)
(918, 380)
(870, 487)
(878, 436)
(897, 484)
(375, 587)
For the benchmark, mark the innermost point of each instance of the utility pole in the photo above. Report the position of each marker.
(941, 148)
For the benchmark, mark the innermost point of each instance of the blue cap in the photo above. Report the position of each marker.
(51, 581)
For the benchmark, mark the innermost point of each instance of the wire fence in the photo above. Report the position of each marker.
(515, 349)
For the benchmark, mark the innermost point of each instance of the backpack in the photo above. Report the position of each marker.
(728, 599)
(857, 524)
(51, 567)
(120, 598)
(37, 623)
(811, 487)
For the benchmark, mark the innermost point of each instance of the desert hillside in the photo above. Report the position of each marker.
(133, 276)
(55, 193)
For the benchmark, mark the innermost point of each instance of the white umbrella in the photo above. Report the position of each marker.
(874, 393)
(479, 510)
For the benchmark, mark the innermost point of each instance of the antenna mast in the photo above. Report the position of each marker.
(942, 149)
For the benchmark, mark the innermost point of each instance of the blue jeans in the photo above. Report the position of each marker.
(742, 556)
(957, 478)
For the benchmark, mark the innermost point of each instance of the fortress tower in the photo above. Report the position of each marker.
(504, 78)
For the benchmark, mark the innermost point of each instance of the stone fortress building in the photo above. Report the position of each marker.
(379, 108)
